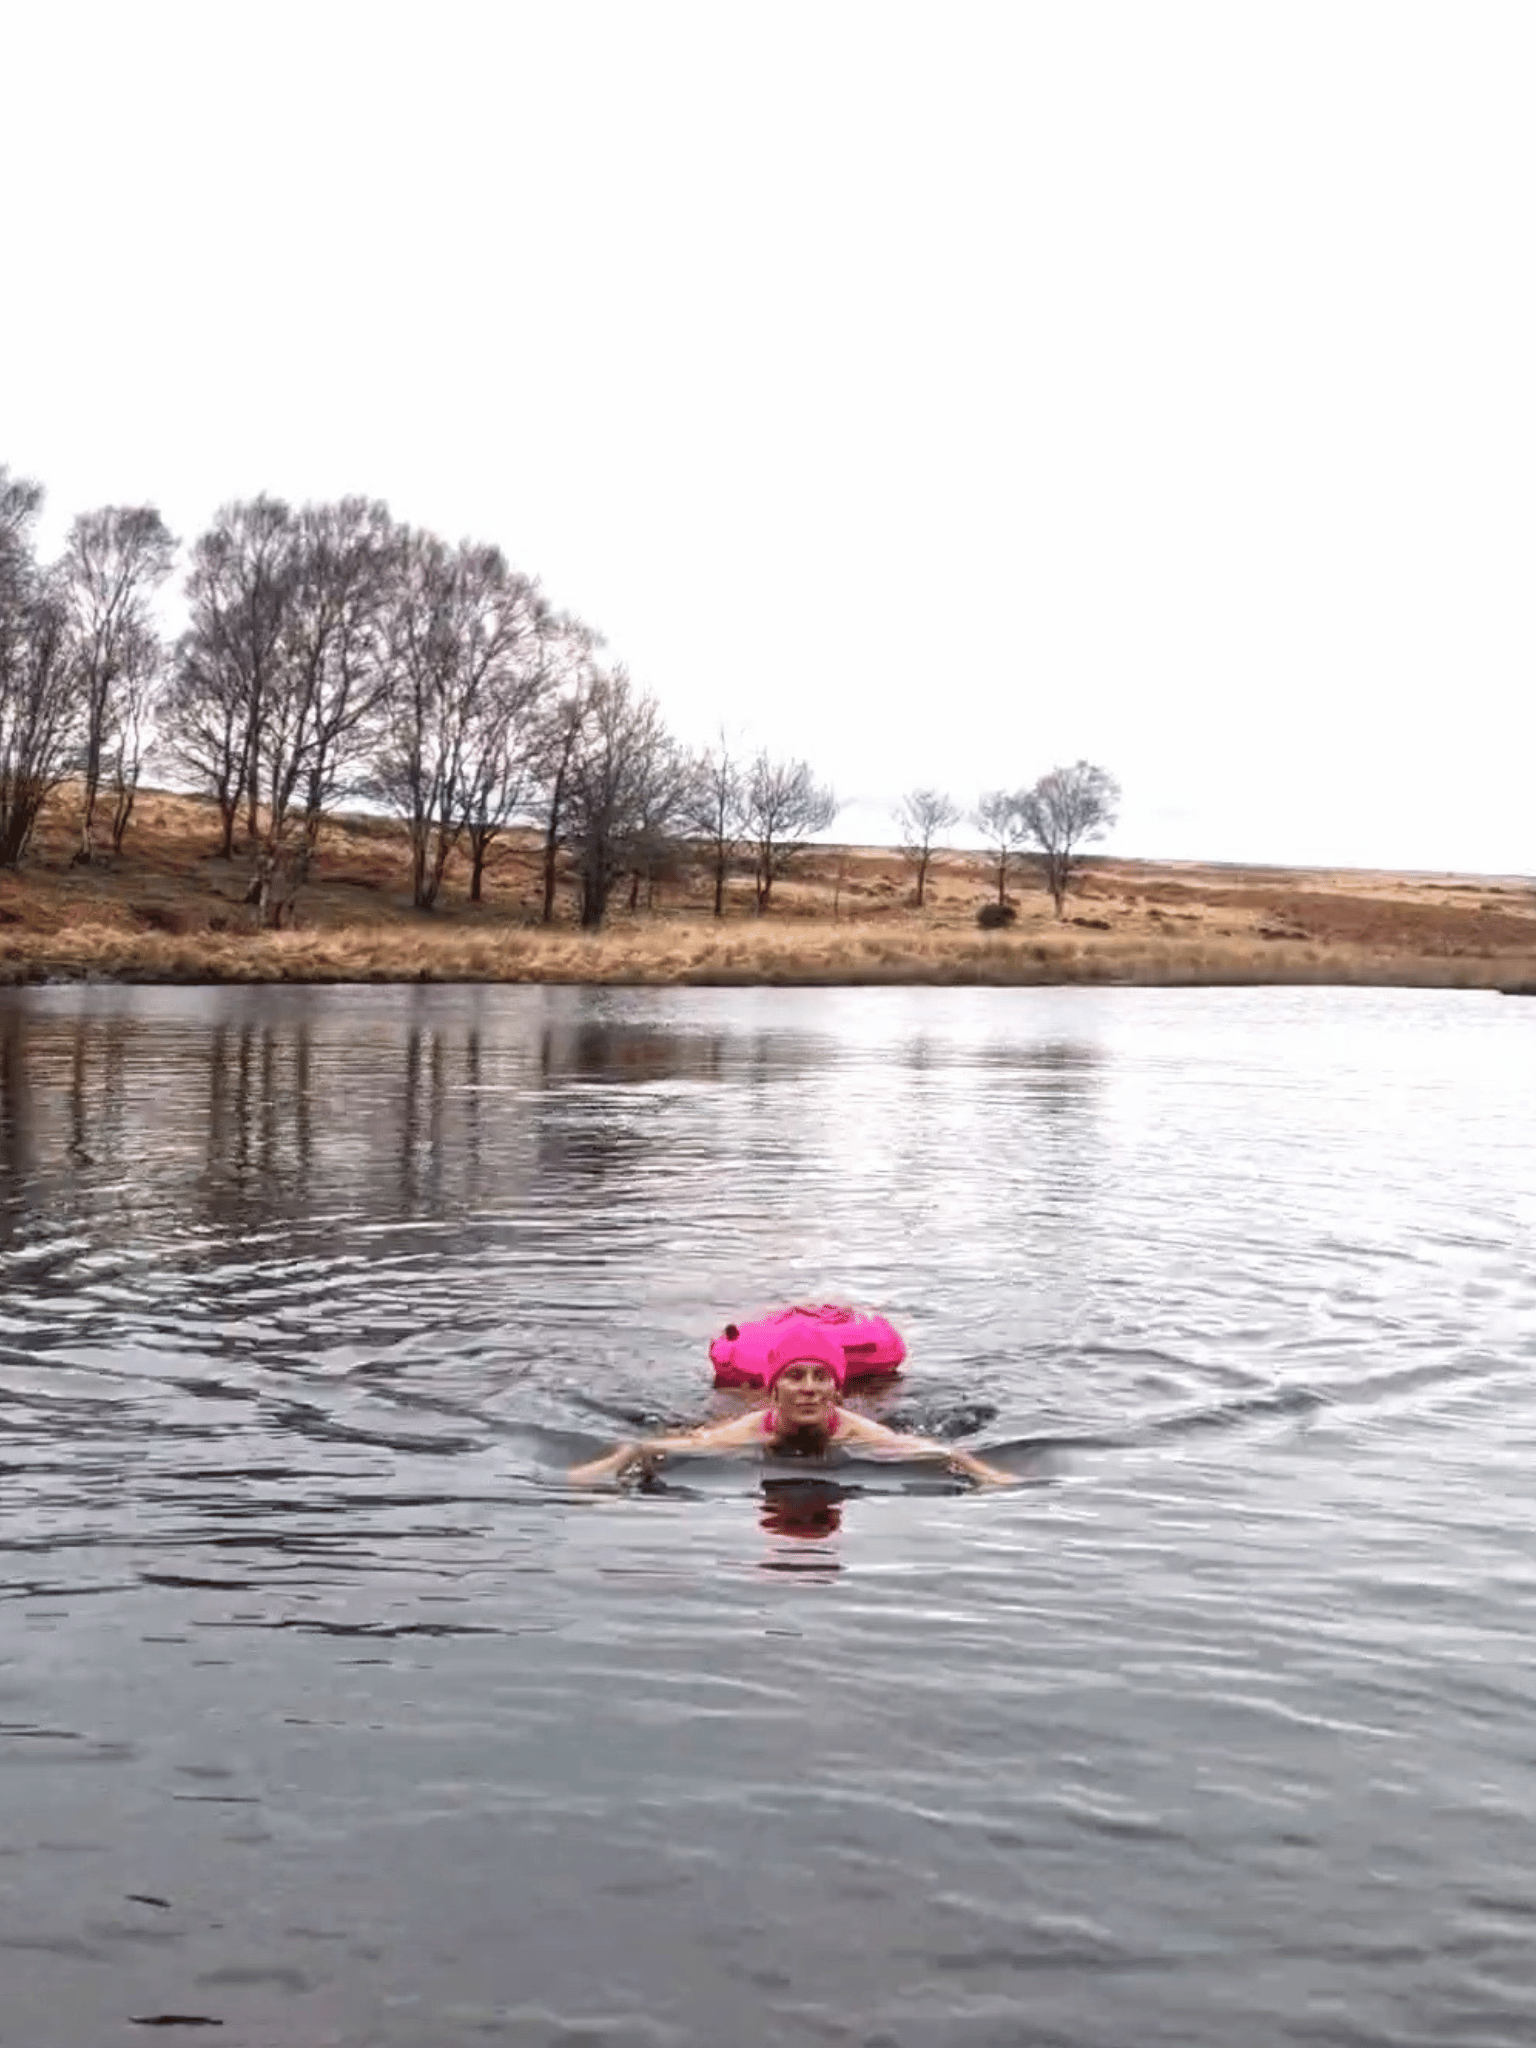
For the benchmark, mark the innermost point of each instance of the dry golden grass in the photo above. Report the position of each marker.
(169, 910)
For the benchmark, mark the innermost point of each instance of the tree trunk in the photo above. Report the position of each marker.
(442, 847)
(122, 811)
(480, 837)
(92, 785)
(594, 899)
(552, 844)
(922, 876)
(719, 885)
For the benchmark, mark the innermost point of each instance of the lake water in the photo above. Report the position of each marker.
(330, 1714)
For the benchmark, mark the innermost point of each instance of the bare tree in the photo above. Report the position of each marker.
(39, 696)
(717, 813)
(626, 780)
(115, 560)
(560, 734)
(20, 502)
(228, 659)
(506, 731)
(461, 677)
(557, 731)
(1000, 814)
(658, 849)
(1067, 809)
(785, 807)
(333, 671)
(921, 816)
(203, 720)
(126, 729)
(325, 680)
(39, 713)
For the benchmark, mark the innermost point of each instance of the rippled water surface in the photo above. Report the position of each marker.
(330, 1714)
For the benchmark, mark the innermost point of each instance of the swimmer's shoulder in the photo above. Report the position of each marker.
(859, 1429)
(739, 1429)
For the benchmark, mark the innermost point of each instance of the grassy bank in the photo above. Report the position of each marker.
(170, 911)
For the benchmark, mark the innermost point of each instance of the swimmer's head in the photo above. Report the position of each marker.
(809, 1345)
(806, 1371)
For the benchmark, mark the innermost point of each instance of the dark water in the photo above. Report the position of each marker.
(329, 1714)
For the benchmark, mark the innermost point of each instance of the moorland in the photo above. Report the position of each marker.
(169, 909)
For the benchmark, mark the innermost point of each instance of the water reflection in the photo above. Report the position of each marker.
(803, 1519)
(593, 1049)
(809, 1510)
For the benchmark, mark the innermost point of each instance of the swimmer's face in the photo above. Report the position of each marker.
(805, 1393)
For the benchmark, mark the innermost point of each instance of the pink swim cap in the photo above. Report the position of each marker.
(811, 1344)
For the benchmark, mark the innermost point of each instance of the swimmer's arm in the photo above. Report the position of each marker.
(717, 1436)
(860, 1429)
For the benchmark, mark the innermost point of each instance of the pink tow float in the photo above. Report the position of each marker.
(740, 1354)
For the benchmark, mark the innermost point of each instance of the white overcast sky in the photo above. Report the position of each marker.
(937, 391)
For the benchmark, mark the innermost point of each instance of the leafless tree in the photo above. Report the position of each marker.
(504, 744)
(658, 843)
(461, 680)
(1066, 810)
(717, 813)
(626, 781)
(559, 736)
(557, 731)
(921, 816)
(20, 502)
(39, 710)
(202, 727)
(228, 660)
(133, 696)
(39, 696)
(281, 668)
(115, 560)
(785, 807)
(332, 671)
(1000, 814)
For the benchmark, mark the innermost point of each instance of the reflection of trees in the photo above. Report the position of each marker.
(259, 1152)
(98, 1096)
(591, 1050)
(17, 1136)
(422, 1116)
(144, 1114)
(592, 1136)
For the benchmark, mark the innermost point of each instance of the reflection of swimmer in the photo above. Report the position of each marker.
(805, 1376)
(802, 1509)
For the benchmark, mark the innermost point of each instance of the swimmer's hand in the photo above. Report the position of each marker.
(861, 1429)
(614, 1466)
(649, 1451)
(979, 1470)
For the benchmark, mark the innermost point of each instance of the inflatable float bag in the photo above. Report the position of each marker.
(740, 1355)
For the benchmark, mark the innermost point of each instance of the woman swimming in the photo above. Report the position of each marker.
(804, 1417)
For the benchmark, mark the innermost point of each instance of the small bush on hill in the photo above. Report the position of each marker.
(992, 916)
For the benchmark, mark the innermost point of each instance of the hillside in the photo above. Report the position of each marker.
(171, 910)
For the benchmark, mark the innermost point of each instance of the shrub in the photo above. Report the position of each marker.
(992, 916)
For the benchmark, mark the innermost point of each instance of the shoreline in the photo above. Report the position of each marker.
(845, 956)
(172, 910)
